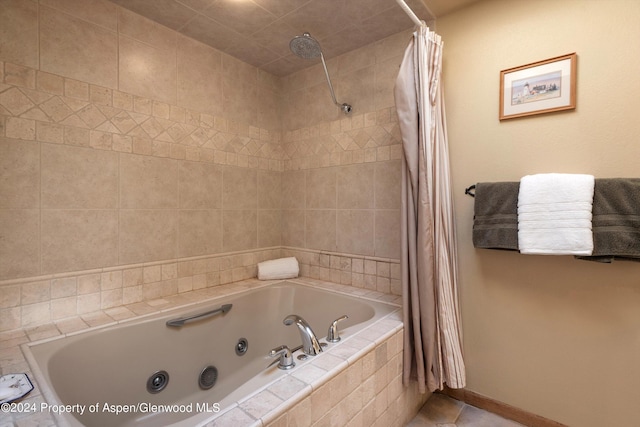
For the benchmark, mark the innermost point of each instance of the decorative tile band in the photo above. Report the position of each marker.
(362, 138)
(48, 108)
(39, 106)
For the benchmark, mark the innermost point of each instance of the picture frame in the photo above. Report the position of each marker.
(537, 88)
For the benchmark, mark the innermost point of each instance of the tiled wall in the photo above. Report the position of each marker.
(348, 209)
(126, 147)
(125, 155)
(364, 78)
(99, 43)
(376, 274)
(98, 185)
(342, 176)
(35, 301)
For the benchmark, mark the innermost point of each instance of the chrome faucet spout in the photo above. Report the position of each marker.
(310, 344)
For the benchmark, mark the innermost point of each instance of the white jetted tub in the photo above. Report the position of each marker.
(110, 376)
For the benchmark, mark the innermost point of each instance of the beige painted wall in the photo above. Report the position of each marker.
(552, 335)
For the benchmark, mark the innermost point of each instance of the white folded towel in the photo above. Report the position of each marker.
(282, 268)
(554, 214)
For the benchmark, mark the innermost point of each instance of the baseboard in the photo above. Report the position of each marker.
(499, 408)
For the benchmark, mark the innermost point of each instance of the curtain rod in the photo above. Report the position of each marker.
(409, 12)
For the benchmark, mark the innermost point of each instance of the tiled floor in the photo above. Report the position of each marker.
(443, 411)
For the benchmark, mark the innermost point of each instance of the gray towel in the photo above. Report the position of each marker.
(616, 220)
(495, 219)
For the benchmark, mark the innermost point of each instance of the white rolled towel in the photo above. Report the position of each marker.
(282, 268)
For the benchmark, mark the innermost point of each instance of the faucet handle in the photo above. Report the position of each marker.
(333, 335)
(286, 358)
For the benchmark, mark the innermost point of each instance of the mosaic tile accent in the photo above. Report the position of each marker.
(362, 138)
(49, 108)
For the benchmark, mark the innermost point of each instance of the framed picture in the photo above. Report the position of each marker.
(540, 87)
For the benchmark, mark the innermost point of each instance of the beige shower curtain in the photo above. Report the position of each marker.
(432, 335)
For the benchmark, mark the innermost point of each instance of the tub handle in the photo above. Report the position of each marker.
(182, 320)
(285, 357)
(333, 335)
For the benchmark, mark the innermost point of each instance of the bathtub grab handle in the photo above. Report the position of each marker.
(182, 320)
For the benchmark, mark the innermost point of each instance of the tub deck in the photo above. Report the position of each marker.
(259, 407)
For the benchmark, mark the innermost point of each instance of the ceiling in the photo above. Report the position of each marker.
(258, 31)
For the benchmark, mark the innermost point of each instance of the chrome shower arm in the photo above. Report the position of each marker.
(346, 108)
(326, 73)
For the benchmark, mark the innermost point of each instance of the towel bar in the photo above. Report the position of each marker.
(468, 191)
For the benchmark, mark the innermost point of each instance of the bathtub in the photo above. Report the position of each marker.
(100, 377)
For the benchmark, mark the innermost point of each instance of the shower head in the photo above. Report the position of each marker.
(306, 47)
